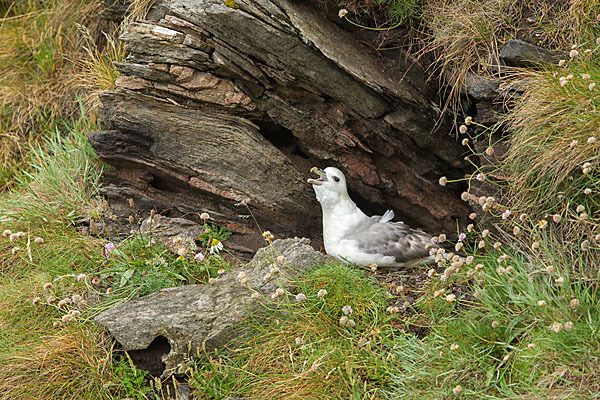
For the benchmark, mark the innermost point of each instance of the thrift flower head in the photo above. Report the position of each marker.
(204, 216)
(506, 214)
(531, 346)
(212, 281)
(277, 294)
(280, 259)
(342, 13)
(38, 240)
(6, 232)
(255, 296)
(591, 140)
(541, 303)
(587, 191)
(457, 389)
(322, 293)
(300, 297)
(67, 318)
(575, 303)
(557, 327)
(495, 324)
(443, 180)
(591, 86)
(75, 313)
(469, 120)
(465, 142)
(472, 216)
(47, 286)
(556, 218)
(199, 257)
(462, 129)
(36, 300)
(347, 310)
(453, 347)
(568, 326)
(108, 248)
(299, 341)
(268, 235)
(480, 177)
(450, 298)
(81, 277)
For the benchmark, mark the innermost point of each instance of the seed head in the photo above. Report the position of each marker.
(342, 13)
(443, 181)
(67, 318)
(573, 53)
(255, 296)
(470, 228)
(75, 313)
(557, 327)
(559, 281)
(277, 293)
(212, 281)
(480, 177)
(465, 142)
(462, 129)
(468, 120)
(497, 245)
(561, 63)
(580, 208)
(485, 233)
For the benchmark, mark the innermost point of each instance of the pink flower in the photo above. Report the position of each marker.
(199, 257)
(108, 248)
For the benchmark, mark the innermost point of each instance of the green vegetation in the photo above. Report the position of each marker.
(519, 318)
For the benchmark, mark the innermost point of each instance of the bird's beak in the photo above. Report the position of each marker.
(322, 177)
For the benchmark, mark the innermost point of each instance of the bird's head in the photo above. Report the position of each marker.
(330, 187)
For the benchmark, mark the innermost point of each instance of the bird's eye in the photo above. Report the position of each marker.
(335, 178)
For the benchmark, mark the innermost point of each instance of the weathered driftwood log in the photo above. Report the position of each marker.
(219, 104)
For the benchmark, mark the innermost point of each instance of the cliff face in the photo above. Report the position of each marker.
(218, 105)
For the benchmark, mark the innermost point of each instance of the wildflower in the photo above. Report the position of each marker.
(75, 313)
(573, 53)
(351, 323)
(442, 237)
(588, 52)
(523, 217)
(506, 214)
(431, 273)
(6, 232)
(36, 300)
(591, 86)
(108, 248)
(458, 246)
(501, 270)
(15, 249)
(480, 177)
(450, 298)
(268, 235)
(469, 260)
(67, 318)
(465, 142)
(470, 228)
(215, 246)
(13, 237)
(531, 346)
(277, 293)
(281, 259)
(585, 245)
(95, 281)
(299, 341)
(489, 151)
(580, 208)
(212, 281)
(495, 324)
(541, 303)
(322, 293)
(535, 245)
(443, 180)
(76, 298)
(574, 303)
(563, 81)
(344, 320)
(50, 299)
(550, 269)
(497, 245)
(255, 296)
(557, 327)
(453, 347)
(562, 63)
(181, 257)
(597, 238)
(462, 236)
(506, 357)
(591, 140)
(585, 77)
(199, 257)
(559, 281)
(485, 233)
(81, 277)
(510, 269)
(556, 218)
(393, 310)
(38, 240)
(457, 389)
(478, 267)
(64, 302)
(342, 13)
(462, 129)
(109, 290)
(204, 216)
(47, 286)
(347, 310)
(472, 216)
(583, 216)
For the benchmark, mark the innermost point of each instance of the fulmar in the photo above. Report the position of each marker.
(350, 236)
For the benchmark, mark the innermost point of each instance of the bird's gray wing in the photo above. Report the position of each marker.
(392, 239)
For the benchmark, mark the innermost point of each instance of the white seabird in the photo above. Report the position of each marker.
(350, 235)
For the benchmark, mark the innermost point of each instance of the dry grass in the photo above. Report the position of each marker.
(44, 45)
